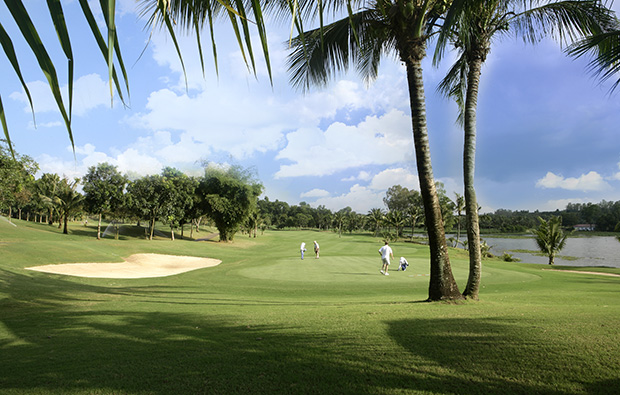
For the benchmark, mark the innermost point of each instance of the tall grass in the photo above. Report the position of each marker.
(264, 321)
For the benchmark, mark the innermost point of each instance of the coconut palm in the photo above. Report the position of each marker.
(471, 26)
(550, 238)
(68, 201)
(459, 206)
(378, 28)
(396, 219)
(375, 218)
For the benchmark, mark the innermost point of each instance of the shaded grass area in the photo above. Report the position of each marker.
(266, 322)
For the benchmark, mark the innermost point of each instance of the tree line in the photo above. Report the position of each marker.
(226, 195)
(229, 198)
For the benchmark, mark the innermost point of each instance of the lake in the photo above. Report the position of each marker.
(583, 251)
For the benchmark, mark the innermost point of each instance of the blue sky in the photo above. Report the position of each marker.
(548, 132)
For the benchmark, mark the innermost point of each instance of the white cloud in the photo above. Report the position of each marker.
(89, 92)
(616, 176)
(586, 182)
(380, 140)
(361, 199)
(361, 176)
(398, 176)
(315, 193)
(130, 161)
(215, 121)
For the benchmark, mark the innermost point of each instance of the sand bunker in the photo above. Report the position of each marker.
(136, 266)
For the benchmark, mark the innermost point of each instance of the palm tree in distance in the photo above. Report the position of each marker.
(550, 238)
(459, 206)
(471, 26)
(379, 28)
(375, 217)
(68, 200)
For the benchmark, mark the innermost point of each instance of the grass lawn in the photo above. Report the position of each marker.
(266, 322)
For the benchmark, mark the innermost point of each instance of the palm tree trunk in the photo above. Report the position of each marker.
(66, 220)
(99, 228)
(469, 166)
(442, 284)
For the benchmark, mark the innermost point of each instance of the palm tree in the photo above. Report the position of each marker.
(459, 205)
(396, 219)
(68, 201)
(46, 187)
(375, 217)
(471, 25)
(363, 37)
(338, 220)
(549, 237)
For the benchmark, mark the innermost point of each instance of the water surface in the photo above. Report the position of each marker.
(581, 251)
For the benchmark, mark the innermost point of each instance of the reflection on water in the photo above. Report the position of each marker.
(588, 251)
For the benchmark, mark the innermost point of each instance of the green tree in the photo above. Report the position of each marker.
(146, 197)
(179, 197)
(16, 174)
(398, 198)
(471, 26)
(228, 196)
(549, 237)
(103, 189)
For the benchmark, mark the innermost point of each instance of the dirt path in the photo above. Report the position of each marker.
(579, 271)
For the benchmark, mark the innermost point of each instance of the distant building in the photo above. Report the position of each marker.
(584, 227)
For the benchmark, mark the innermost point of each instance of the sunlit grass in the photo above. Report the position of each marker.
(264, 321)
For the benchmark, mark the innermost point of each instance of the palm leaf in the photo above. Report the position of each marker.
(60, 25)
(23, 21)
(5, 128)
(321, 53)
(605, 48)
(9, 51)
(567, 21)
(92, 23)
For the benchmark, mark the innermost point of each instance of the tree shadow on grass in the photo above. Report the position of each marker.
(56, 338)
(498, 356)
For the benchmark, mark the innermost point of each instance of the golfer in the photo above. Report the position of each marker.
(316, 250)
(386, 253)
(302, 248)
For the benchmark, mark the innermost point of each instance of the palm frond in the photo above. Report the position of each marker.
(454, 84)
(193, 15)
(566, 21)
(30, 34)
(605, 50)
(322, 53)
